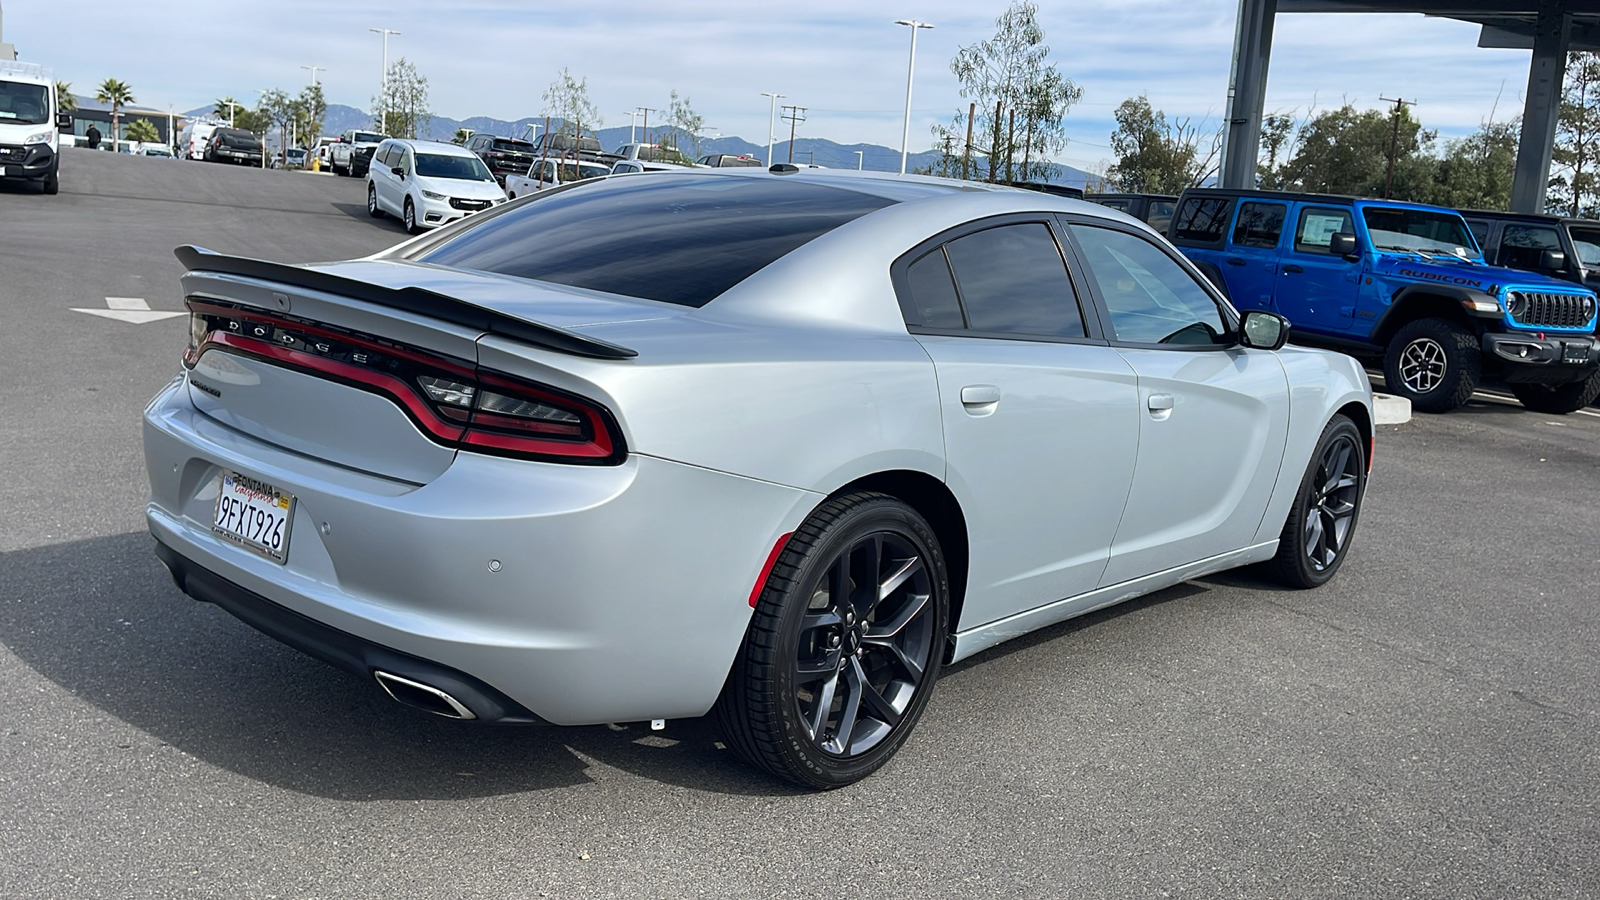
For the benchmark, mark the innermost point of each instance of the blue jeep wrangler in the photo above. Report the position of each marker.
(1399, 282)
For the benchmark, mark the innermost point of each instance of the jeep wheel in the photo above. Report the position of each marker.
(1559, 399)
(1434, 363)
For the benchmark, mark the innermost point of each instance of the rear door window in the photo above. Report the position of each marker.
(1202, 219)
(1013, 280)
(1259, 225)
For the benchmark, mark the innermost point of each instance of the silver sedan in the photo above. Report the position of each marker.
(773, 446)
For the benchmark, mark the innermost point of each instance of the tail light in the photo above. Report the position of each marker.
(453, 402)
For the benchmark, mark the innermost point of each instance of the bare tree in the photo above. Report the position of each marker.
(685, 122)
(567, 98)
(406, 113)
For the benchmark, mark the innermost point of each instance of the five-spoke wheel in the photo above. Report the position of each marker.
(1322, 521)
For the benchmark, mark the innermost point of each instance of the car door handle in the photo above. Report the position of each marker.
(1160, 402)
(1292, 268)
(979, 395)
(1235, 261)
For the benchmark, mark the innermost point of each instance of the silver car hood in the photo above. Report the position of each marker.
(537, 302)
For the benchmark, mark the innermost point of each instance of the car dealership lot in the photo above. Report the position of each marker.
(1420, 727)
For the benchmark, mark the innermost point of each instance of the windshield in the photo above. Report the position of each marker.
(1420, 231)
(24, 104)
(465, 168)
(1587, 242)
(367, 137)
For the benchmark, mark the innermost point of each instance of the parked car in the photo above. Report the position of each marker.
(651, 447)
(1400, 283)
(554, 172)
(636, 166)
(292, 158)
(1558, 246)
(655, 153)
(427, 183)
(729, 160)
(1045, 187)
(1154, 210)
(321, 151)
(196, 136)
(157, 151)
(234, 145)
(502, 155)
(352, 152)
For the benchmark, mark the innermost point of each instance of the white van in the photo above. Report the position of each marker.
(30, 119)
(193, 138)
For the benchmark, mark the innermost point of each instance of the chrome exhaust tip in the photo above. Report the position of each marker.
(422, 696)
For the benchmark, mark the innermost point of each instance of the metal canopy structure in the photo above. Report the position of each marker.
(1550, 28)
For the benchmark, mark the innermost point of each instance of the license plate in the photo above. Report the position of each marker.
(4, 171)
(253, 514)
(1575, 353)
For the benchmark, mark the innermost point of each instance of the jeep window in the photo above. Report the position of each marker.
(1013, 281)
(1160, 215)
(1118, 205)
(465, 168)
(1152, 300)
(1587, 242)
(1521, 246)
(1318, 225)
(1259, 225)
(1480, 231)
(23, 104)
(1420, 230)
(1203, 219)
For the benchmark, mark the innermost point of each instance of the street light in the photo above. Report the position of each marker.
(772, 120)
(905, 131)
(383, 82)
(314, 70)
(633, 124)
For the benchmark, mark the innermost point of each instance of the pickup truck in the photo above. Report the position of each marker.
(351, 154)
(1401, 284)
(554, 172)
(655, 153)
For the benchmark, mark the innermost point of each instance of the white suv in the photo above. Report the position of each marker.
(427, 183)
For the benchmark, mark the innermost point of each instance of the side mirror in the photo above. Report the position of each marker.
(1342, 244)
(399, 173)
(63, 121)
(1554, 260)
(1262, 330)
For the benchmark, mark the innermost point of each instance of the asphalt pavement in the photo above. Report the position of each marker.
(1424, 726)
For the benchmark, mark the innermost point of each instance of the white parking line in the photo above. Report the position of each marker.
(128, 309)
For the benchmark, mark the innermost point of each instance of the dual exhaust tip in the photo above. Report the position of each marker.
(425, 697)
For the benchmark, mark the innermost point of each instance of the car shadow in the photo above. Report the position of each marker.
(101, 619)
(20, 186)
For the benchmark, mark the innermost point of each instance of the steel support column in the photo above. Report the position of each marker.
(1542, 107)
(1247, 92)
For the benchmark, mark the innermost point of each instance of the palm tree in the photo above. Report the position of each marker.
(226, 107)
(64, 98)
(461, 136)
(115, 93)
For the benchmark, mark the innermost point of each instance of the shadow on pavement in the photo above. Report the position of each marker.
(101, 619)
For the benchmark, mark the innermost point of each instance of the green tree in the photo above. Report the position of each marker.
(256, 121)
(118, 94)
(405, 113)
(225, 108)
(1475, 172)
(281, 110)
(1277, 141)
(685, 122)
(144, 131)
(1155, 156)
(311, 109)
(1346, 151)
(461, 136)
(1018, 92)
(1576, 155)
(64, 97)
(567, 98)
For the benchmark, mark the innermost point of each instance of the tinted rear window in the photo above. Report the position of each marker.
(680, 240)
(515, 146)
(1202, 219)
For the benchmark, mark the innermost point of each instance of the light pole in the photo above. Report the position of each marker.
(383, 82)
(314, 71)
(858, 160)
(905, 130)
(633, 124)
(772, 119)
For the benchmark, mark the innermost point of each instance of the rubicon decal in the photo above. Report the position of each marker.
(1436, 276)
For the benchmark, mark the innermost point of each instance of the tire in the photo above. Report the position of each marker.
(52, 182)
(1316, 536)
(1434, 363)
(411, 218)
(373, 209)
(1559, 399)
(826, 686)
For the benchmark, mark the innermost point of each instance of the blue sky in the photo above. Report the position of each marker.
(845, 61)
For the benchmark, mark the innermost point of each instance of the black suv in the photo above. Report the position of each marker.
(1154, 210)
(1558, 246)
(503, 155)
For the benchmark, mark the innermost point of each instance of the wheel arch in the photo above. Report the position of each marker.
(1362, 417)
(934, 501)
(1417, 301)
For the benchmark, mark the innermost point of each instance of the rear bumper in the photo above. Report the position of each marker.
(582, 594)
(1543, 359)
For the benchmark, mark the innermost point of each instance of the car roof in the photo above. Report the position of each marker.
(441, 148)
(1547, 218)
(1310, 197)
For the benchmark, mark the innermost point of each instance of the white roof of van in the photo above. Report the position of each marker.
(21, 71)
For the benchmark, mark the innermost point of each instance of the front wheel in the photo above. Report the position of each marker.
(411, 218)
(1434, 363)
(844, 647)
(1559, 399)
(1316, 536)
(373, 209)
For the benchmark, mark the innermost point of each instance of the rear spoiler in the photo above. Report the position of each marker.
(420, 301)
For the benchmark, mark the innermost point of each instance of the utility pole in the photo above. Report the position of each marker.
(966, 158)
(794, 115)
(314, 71)
(772, 112)
(1394, 141)
(646, 111)
(383, 82)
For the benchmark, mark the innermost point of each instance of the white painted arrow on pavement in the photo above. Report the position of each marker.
(128, 309)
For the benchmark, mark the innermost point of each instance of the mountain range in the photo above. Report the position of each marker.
(819, 151)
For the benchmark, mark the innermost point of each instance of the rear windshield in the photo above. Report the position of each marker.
(242, 139)
(678, 240)
(367, 137)
(512, 145)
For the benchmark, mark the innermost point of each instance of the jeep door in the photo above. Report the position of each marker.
(1252, 255)
(1213, 416)
(1316, 289)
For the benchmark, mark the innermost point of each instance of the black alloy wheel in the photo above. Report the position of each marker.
(1434, 363)
(1559, 399)
(373, 209)
(844, 647)
(1316, 537)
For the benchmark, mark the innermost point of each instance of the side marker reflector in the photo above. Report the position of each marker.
(766, 570)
